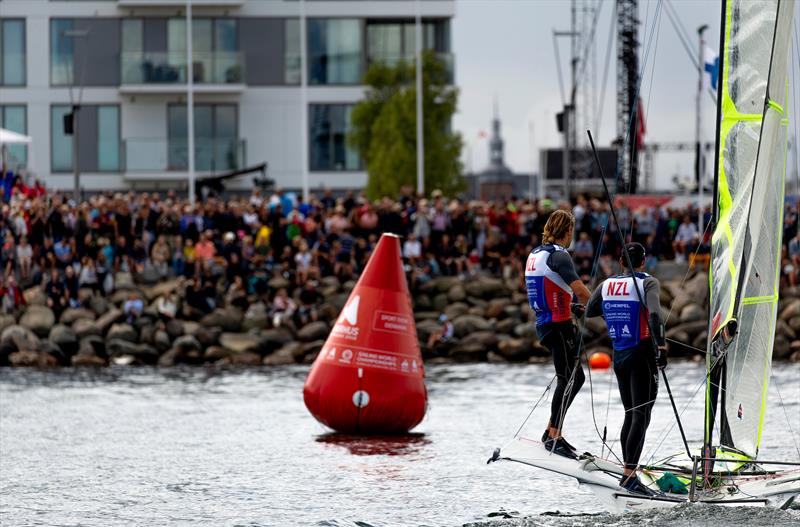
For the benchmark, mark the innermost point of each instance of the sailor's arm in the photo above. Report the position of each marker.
(653, 304)
(594, 308)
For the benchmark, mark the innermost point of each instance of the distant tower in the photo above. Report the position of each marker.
(627, 86)
(496, 158)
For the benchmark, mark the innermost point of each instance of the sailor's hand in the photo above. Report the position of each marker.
(577, 309)
(661, 359)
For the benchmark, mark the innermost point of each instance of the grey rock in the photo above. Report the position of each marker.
(469, 352)
(187, 343)
(123, 281)
(272, 339)
(32, 359)
(93, 345)
(122, 332)
(87, 360)
(34, 296)
(496, 307)
(515, 349)
(422, 302)
(457, 293)
(229, 319)
(161, 340)
(478, 311)
(246, 358)
(313, 331)
(425, 315)
(456, 309)
(141, 353)
(215, 353)
(206, 336)
(440, 302)
(38, 319)
(278, 282)
(6, 321)
(100, 305)
(466, 324)
(692, 313)
(18, 338)
(174, 328)
(108, 318)
(282, 356)
(239, 342)
(70, 315)
(167, 287)
(487, 339)
(506, 326)
(63, 337)
(527, 329)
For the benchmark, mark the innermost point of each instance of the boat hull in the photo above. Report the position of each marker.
(775, 489)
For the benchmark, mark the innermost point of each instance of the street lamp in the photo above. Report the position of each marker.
(71, 119)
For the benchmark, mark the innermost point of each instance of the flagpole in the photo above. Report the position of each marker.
(698, 160)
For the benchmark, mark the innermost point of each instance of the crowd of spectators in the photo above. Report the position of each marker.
(229, 249)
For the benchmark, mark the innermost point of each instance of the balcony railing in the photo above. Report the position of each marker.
(220, 67)
(179, 3)
(162, 155)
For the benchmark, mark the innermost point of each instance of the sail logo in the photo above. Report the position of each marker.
(740, 412)
(346, 325)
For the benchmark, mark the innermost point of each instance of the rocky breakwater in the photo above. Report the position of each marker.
(490, 317)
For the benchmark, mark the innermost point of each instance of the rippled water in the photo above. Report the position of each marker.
(210, 447)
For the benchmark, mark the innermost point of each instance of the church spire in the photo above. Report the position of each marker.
(496, 142)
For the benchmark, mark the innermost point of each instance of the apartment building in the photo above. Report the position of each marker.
(125, 63)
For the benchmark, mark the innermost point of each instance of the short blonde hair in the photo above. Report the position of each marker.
(559, 224)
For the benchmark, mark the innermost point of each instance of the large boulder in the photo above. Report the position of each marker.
(239, 342)
(273, 339)
(487, 339)
(468, 352)
(496, 307)
(215, 353)
(187, 343)
(457, 293)
(284, 355)
(122, 331)
(440, 302)
(246, 358)
(34, 296)
(87, 360)
(229, 319)
(141, 353)
(256, 317)
(100, 304)
(33, 359)
(6, 321)
(124, 281)
(313, 331)
(692, 313)
(515, 349)
(93, 345)
(505, 326)
(167, 287)
(466, 324)
(161, 340)
(38, 319)
(526, 329)
(486, 287)
(18, 338)
(174, 328)
(70, 315)
(105, 320)
(456, 309)
(206, 336)
(62, 336)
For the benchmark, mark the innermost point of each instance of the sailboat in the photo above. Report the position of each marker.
(746, 247)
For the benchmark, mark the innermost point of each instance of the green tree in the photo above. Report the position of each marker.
(384, 128)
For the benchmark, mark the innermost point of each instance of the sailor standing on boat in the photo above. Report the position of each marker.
(636, 362)
(551, 281)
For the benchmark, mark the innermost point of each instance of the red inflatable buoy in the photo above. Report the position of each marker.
(369, 378)
(599, 361)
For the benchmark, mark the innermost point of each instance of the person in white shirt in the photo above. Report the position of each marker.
(412, 248)
(686, 235)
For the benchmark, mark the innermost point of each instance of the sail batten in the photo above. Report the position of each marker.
(747, 239)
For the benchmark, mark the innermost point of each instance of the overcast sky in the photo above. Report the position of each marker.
(504, 48)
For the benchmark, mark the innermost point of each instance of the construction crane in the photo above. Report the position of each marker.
(649, 152)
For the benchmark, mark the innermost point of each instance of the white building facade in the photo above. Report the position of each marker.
(125, 63)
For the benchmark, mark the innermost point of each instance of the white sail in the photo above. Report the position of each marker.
(747, 240)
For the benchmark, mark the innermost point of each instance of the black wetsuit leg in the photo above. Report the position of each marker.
(638, 386)
(562, 343)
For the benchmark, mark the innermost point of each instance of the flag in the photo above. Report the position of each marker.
(711, 68)
(483, 134)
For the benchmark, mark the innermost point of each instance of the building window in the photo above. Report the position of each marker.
(132, 56)
(328, 128)
(391, 41)
(12, 52)
(61, 52)
(215, 47)
(98, 139)
(291, 72)
(334, 51)
(216, 133)
(14, 118)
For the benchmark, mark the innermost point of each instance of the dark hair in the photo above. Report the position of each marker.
(636, 252)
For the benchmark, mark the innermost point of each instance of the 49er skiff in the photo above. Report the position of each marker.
(745, 250)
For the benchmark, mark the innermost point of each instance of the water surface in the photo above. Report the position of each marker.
(209, 447)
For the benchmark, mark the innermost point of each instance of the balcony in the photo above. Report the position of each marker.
(147, 158)
(165, 72)
(180, 3)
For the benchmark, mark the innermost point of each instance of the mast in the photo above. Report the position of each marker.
(712, 391)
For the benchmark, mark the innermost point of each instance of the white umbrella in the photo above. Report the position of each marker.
(7, 137)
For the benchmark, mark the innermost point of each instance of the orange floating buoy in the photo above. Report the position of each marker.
(369, 378)
(600, 360)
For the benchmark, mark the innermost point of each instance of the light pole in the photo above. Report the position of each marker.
(698, 160)
(304, 130)
(73, 116)
(190, 102)
(420, 129)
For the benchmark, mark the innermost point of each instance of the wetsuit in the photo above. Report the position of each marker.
(548, 272)
(634, 354)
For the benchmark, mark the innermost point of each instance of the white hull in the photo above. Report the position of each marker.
(602, 476)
